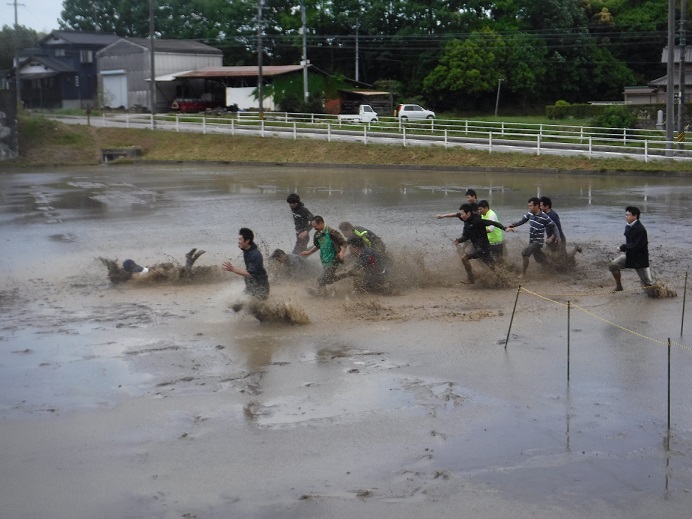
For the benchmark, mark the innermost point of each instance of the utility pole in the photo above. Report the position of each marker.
(497, 99)
(357, 50)
(152, 84)
(260, 50)
(670, 85)
(681, 94)
(17, 43)
(304, 30)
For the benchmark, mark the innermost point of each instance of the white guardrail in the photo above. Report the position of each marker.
(492, 137)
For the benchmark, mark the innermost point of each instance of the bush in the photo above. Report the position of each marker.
(577, 111)
(294, 103)
(560, 102)
(615, 116)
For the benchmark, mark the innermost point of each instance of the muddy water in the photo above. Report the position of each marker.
(155, 399)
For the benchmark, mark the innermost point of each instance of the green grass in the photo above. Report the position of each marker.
(43, 141)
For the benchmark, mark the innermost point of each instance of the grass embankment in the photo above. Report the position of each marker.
(46, 142)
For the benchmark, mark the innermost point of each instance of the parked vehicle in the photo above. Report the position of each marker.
(186, 105)
(364, 114)
(408, 111)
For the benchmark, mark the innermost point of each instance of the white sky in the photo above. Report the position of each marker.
(40, 15)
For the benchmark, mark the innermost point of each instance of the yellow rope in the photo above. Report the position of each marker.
(665, 343)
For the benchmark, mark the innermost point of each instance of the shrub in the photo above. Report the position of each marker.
(615, 116)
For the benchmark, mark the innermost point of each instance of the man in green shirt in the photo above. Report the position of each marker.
(332, 247)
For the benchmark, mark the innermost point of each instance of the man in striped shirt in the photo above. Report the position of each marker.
(539, 223)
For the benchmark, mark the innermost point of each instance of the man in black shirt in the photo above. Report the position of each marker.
(302, 219)
(635, 250)
(475, 232)
(256, 279)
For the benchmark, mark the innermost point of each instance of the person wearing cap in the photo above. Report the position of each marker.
(302, 218)
(158, 272)
(332, 247)
(256, 279)
(117, 274)
(132, 267)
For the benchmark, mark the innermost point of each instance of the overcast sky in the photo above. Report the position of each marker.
(40, 15)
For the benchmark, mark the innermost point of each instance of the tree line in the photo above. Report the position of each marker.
(450, 54)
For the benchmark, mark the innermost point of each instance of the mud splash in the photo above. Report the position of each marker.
(286, 312)
(659, 290)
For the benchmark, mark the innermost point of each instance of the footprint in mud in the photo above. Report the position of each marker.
(255, 410)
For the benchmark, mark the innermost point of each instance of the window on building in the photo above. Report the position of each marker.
(87, 56)
(60, 52)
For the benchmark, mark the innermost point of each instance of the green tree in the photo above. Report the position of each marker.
(11, 40)
(525, 67)
(122, 17)
(467, 70)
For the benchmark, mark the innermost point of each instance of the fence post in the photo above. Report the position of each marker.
(490, 142)
(502, 131)
(624, 136)
(404, 135)
(177, 122)
(127, 121)
(466, 124)
(365, 135)
(646, 151)
(262, 127)
(152, 120)
(446, 138)
(684, 297)
(204, 124)
(590, 145)
(538, 145)
(668, 386)
(233, 127)
(295, 131)
(329, 132)
(512, 318)
(569, 308)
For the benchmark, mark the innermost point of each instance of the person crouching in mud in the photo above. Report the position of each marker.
(256, 279)
(332, 247)
(369, 271)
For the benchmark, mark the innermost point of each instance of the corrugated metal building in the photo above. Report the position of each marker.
(124, 69)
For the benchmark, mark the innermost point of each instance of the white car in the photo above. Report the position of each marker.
(406, 112)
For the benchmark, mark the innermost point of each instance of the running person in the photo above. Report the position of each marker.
(539, 224)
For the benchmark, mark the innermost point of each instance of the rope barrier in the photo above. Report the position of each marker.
(585, 294)
(545, 298)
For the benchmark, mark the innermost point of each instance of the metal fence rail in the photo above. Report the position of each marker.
(591, 142)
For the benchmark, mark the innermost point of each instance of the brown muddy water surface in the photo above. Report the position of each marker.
(155, 399)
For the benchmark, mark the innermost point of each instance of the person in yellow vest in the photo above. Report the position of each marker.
(332, 247)
(497, 247)
(370, 239)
